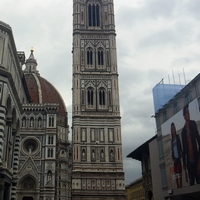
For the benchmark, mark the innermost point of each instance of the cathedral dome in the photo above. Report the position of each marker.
(39, 89)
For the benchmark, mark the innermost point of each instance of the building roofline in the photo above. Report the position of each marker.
(179, 94)
(144, 148)
(8, 30)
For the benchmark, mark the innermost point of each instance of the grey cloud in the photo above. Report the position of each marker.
(150, 10)
(154, 75)
(192, 8)
(187, 60)
(157, 8)
(132, 170)
(160, 39)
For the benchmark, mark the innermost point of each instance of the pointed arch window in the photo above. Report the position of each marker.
(100, 56)
(109, 98)
(82, 57)
(50, 152)
(90, 96)
(50, 139)
(108, 58)
(93, 15)
(82, 16)
(89, 56)
(82, 97)
(51, 121)
(102, 96)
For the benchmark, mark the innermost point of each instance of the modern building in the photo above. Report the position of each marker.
(175, 153)
(142, 154)
(135, 190)
(35, 153)
(162, 93)
(96, 123)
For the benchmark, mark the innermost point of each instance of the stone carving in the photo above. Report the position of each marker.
(39, 123)
(112, 155)
(49, 178)
(28, 168)
(28, 183)
(62, 153)
(49, 166)
(83, 154)
(93, 157)
(31, 122)
(102, 155)
(23, 122)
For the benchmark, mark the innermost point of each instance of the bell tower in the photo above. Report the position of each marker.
(96, 132)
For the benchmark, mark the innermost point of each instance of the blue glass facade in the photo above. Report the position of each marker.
(162, 93)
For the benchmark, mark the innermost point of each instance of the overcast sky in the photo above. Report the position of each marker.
(155, 39)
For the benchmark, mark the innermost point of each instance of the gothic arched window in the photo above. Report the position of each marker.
(93, 15)
(100, 56)
(82, 57)
(108, 58)
(50, 139)
(109, 98)
(89, 56)
(102, 96)
(50, 152)
(82, 97)
(51, 121)
(90, 96)
(82, 16)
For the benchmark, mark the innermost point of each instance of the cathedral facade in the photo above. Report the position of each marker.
(35, 155)
(12, 96)
(44, 159)
(96, 122)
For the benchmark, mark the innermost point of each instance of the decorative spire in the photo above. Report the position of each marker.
(31, 57)
(31, 64)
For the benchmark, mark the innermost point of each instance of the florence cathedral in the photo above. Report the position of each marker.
(37, 160)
